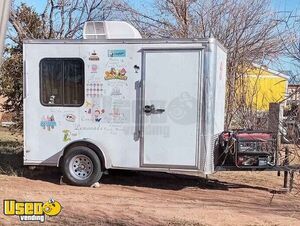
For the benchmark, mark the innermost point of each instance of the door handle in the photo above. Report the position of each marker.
(150, 109)
(159, 111)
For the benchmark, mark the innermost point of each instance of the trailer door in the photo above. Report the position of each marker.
(170, 117)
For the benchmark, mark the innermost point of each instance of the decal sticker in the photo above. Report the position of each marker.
(48, 122)
(93, 112)
(88, 106)
(116, 74)
(117, 53)
(116, 68)
(68, 135)
(94, 89)
(94, 68)
(136, 69)
(119, 112)
(94, 57)
(80, 127)
(115, 113)
(116, 91)
(97, 114)
(70, 118)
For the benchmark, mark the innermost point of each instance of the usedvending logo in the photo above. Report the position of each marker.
(31, 211)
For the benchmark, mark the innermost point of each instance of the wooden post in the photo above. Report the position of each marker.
(274, 117)
(291, 180)
(273, 125)
(286, 163)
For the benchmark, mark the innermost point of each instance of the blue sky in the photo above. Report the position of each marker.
(284, 6)
(277, 4)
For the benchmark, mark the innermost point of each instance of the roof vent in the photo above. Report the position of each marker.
(110, 30)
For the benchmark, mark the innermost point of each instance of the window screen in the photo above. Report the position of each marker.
(62, 82)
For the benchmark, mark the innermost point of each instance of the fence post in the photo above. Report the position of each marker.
(275, 114)
(286, 163)
(273, 124)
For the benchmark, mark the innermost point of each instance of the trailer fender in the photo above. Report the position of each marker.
(100, 151)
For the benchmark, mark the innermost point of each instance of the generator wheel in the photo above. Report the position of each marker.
(81, 166)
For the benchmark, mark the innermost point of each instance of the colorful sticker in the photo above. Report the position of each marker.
(94, 57)
(117, 53)
(48, 122)
(70, 118)
(88, 106)
(116, 74)
(94, 89)
(94, 68)
(68, 135)
(97, 114)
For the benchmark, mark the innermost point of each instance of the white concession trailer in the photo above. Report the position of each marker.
(115, 100)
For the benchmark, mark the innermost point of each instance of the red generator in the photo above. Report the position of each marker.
(246, 149)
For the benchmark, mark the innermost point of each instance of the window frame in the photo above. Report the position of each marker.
(63, 91)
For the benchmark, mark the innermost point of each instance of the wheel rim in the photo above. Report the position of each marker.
(81, 167)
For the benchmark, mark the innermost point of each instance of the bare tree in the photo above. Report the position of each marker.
(250, 31)
(62, 19)
(59, 19)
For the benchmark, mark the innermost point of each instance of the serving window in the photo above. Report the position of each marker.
(62, 82)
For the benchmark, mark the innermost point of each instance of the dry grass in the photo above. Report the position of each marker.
(7, 136)
(294, 153)
(11, 152)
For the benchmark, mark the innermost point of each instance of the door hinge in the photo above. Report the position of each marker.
(138, 84)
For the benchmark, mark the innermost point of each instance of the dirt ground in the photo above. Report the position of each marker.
(139, 198)
(144, 198)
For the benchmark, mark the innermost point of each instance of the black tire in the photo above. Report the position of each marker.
(84, 153)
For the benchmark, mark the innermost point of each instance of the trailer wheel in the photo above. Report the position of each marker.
(81, 166)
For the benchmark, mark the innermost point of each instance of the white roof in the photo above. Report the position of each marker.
(110, 30)
(271, 71)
